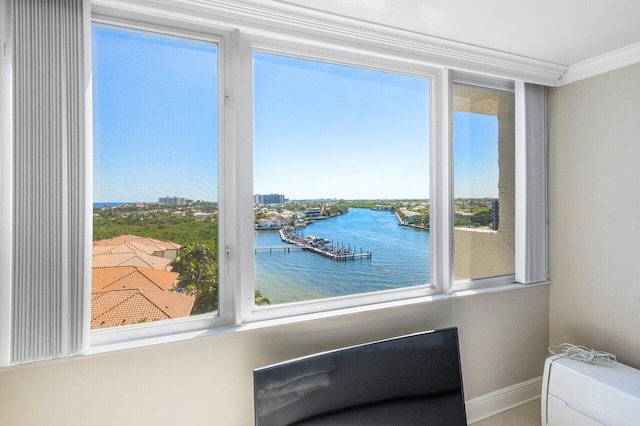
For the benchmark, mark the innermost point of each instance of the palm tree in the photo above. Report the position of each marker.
(197, 267)
(198, 271)
(206, 300)
(191, 254)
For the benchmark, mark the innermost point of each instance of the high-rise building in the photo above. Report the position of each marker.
(495, 206)
(174, 201)
(269, 199)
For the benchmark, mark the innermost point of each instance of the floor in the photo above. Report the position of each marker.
(524, 415)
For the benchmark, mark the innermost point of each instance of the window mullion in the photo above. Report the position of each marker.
(243, 86)
(442, 187)
(226, 219)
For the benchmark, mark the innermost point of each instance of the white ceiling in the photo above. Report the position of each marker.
(563, 32)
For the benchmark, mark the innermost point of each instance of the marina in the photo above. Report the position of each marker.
(401, 258)
(322, 246)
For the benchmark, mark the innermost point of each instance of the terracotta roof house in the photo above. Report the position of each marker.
(119, 248)
(131, 258)
(150, 246)
(132, 283)
(132, 277)
(133, 306)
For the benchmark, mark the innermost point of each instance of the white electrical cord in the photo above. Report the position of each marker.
(583, 354)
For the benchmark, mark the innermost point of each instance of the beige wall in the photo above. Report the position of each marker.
(208, 381)
(594, 208)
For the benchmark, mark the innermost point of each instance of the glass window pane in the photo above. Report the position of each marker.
(155, 227)
(484, 182)
(341, 159)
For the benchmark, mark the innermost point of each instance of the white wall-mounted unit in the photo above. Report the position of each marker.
(576, 393)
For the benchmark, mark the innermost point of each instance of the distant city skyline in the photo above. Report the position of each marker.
(321, 131)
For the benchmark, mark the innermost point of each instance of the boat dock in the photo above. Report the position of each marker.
(286, 248)
(322, 246)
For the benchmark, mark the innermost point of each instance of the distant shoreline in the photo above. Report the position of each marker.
(112, 204)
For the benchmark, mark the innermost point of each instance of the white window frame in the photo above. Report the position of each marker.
(226, 312)
(338, 55)
(491, 83)
(236, 257)
(6, 183)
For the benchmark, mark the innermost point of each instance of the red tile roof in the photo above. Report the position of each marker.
(122, 239)
(133, 306)
(131, 282)
(105, 258)
(132, 277)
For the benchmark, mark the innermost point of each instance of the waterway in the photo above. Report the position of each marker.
(400, 258)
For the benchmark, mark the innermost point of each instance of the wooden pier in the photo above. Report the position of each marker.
(286, 248)
(321, 246)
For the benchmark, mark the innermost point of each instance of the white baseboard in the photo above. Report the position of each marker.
(502, 400)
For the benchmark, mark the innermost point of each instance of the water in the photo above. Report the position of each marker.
(400, 258)
(110, 204)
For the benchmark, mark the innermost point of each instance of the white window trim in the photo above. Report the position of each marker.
(334, 55)
(288, 20)
(226, 191)
(441, 205)
(6, 181)
(88, 167)
(425, 301)
(487, 82)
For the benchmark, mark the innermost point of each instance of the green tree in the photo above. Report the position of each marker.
(192, 256)
(206, 300)
(260, 299)
(198, 271)
(483, 215)
(423, 219)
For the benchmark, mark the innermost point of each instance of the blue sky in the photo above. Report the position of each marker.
(330, 131)
(475, 155)
(320, 130)
(155, 117)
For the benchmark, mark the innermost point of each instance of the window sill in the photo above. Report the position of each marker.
(229, 329)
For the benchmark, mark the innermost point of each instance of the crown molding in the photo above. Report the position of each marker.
(601, 64)
(290, 22)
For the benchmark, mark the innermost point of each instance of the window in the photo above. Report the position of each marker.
(155, 218)
(346, 149)
(208, 145)
(484, 182)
